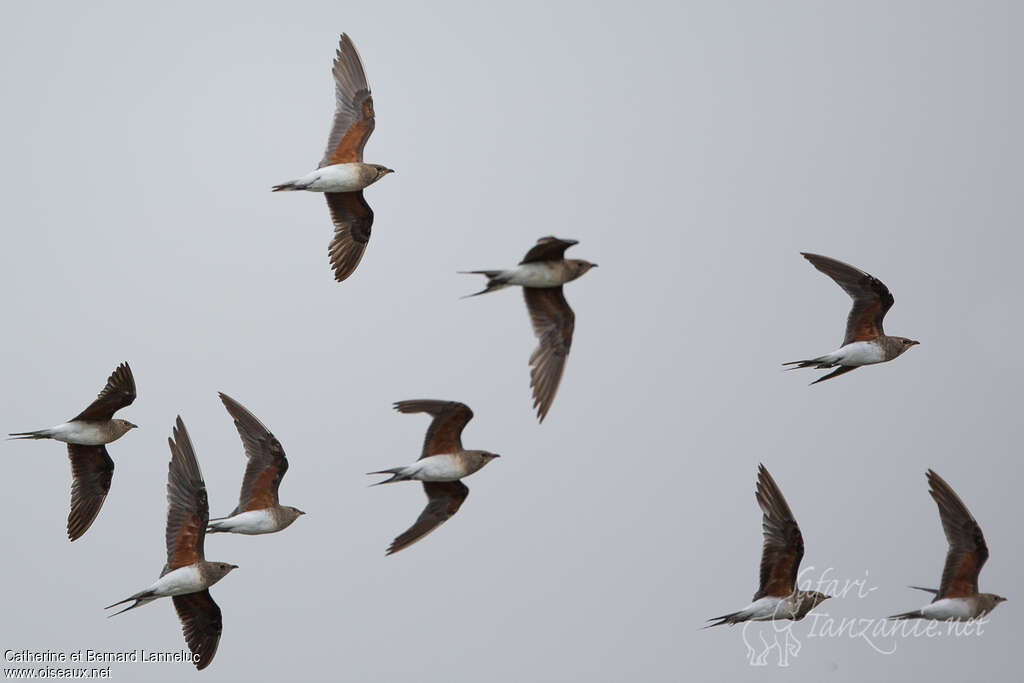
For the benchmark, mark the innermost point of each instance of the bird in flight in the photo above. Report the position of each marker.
(441, 466)
(541, 274)
(258, 510)
(777, 597)
(957, 597)
(342, 175)
(86, 435)
(187, 576)
(865, 342)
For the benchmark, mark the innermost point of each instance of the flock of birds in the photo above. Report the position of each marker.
(342, 176)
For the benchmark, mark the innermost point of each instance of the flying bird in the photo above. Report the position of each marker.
(342, 175)
(777, 597)
(541, 274)
(86, 435)
(258, 510)
(443, 463)
(957, 597)
(187, 576)
(865, 342)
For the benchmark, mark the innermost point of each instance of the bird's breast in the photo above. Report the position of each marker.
(339, 178)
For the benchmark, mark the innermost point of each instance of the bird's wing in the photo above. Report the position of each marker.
(444, 498)
(118, 393)
(352, 218)
(267, 462)
(553, 323)
(188, 509)
(444, 435)
(967, 550)
(201, 624)
(783, 543)
(871, 298)
(547, 249)
(353, 114)
(91, 471)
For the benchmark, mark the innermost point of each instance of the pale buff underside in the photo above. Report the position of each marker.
(348, 177)
(85, 433)
(251, 523)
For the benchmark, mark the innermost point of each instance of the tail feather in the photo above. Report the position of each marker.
(729, 619)
(915, 614)
(38, 434)
(139, 598)
(285, 187)
(797, 364)
(926, 590)
(494, 281)
(396, 475)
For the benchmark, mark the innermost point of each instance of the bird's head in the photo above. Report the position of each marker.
(903, 344)
(579, 267)
(122, 427)
(381, 171)
(218, 570)
(291, 514)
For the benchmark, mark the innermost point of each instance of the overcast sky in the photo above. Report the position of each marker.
(693, 149)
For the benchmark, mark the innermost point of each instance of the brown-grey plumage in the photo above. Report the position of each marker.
(86, 434)
(187, 575)
(118, 393)
(444, 435)
(354, 121)
(967, 548)
(541, 274)
(871, 301)
(201, 625)
(188, 508)
(444, 498)
(267, 465)
(352, 218)
(92, 470)
(777, 596)
(353, 107)
(441, 479)
(967, 554)
(783, 547)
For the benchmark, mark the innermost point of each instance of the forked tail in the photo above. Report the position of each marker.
(496, 279)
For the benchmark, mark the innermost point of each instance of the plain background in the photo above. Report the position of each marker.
(694, 149)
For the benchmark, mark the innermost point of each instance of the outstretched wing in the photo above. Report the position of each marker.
(444, 498)
(353, 114)
(188, 510)
(548, 249)
(783, 543)
(118, 393)
(267, 462)
(352, 218)
(967, 550)
(92, 471)
(553, 324)
(871, 298)
(444, 435)
(201, 624)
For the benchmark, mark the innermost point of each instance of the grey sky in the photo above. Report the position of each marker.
(694, 149)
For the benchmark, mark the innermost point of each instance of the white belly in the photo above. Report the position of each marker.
(948, 608)
(437, 468)
(859, 353)
(536, 275)
(336, 178)
(251, 522)
(178, 582)
(768, 608)
(82, 433)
